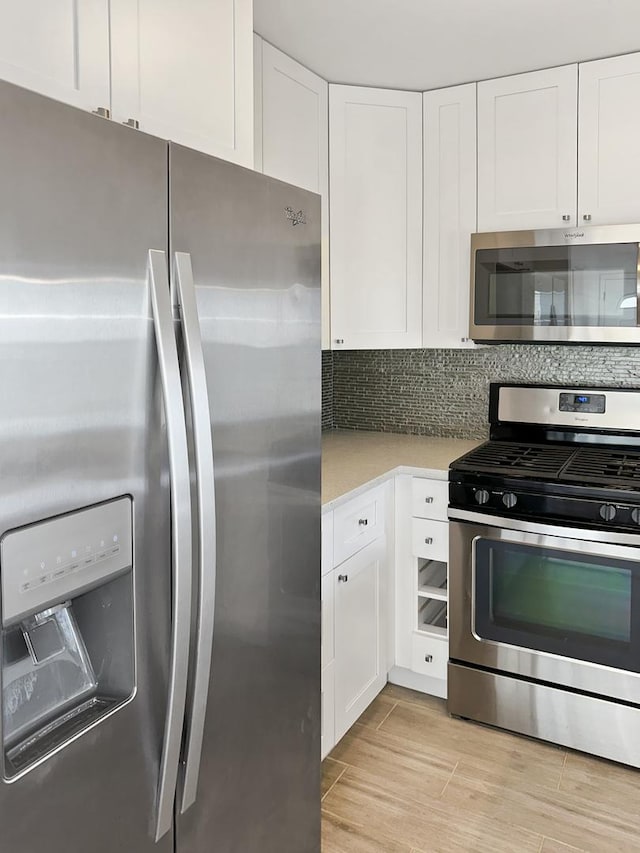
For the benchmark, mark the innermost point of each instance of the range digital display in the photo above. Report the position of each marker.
(594, 404)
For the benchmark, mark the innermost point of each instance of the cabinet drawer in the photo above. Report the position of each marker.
(326, 547)
(327, 619)
(430, 539)
(429, 498)
(429, 655)
(357, 523)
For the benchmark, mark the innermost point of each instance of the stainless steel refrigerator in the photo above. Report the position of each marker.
(159, 494)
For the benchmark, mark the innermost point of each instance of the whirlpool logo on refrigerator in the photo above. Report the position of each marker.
(295, 217)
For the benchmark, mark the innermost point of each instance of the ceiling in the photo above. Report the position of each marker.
(428, 44)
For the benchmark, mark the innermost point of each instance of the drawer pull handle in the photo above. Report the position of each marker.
(428, 540)
(428, 500)
(428, 658)
(343, 578)
(363, 521)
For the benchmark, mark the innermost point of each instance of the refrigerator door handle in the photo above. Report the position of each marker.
(180, 536)
(185, 298)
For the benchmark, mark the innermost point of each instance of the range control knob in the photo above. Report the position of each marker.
(482, 496)
(635, 515)
(509, 500)
(608, 512)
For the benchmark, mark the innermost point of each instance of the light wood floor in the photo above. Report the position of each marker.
(408, 778)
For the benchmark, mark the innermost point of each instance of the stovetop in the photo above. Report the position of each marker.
(556, 455)
(602, 466)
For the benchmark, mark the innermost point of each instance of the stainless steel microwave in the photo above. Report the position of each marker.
(570, 285)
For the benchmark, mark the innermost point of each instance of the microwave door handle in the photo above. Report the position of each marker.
(181, 557)
(185, 297)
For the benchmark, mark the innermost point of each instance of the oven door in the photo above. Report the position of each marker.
(555, 604)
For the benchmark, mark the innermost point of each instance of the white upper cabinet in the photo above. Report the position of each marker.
(59, 48)
(527, 150)
(184, 71)
(292, 136)
(449, 117)
(609, 166)
(375, 157)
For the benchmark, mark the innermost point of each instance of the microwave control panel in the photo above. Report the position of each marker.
(53, 560)
(593, 404)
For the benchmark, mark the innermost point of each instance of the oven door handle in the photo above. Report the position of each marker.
(535, 528)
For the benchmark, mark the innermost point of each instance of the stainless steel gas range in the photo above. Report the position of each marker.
(544, 598)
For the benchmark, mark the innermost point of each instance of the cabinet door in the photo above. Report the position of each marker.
(527, 151)
(609, 166)
(292, 137)
(185, 72)
(60, 49)
(360, 634)
(375, 156)
(449, 134)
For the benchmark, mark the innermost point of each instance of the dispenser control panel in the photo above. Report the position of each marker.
(49, 561)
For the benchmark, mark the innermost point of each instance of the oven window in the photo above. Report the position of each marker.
(594, 285)
(576, 605)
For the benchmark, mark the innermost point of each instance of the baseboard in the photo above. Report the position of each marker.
(422, 683)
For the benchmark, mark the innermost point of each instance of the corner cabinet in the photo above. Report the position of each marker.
(609, 126)
(185, 72)
(59, 49)
(375, 155)
(292, 136)
(527, 152)
(449, 134)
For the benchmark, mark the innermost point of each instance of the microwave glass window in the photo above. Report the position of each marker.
(593, 285)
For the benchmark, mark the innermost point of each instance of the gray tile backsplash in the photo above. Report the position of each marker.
(446, 392)
(327, 389)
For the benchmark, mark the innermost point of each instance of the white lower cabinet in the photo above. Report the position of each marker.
(421, 644)
(356, 609)
(360, 633)
(327, 718)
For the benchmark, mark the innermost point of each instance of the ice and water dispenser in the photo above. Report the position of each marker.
(68, 656)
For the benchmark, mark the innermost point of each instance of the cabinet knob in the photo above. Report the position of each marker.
(428, 658)
(103, 112)
(363, 521)
(587, 217)
(428, 500)
(132, 122)
(343, 578)
(566, 217)
(428, 540)
(339, 340)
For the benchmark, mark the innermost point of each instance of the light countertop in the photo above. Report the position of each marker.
(351, 459)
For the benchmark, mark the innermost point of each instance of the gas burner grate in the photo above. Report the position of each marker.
(505, 457)
(604, 466)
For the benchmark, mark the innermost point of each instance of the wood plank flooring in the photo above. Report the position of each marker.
(408, 778)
